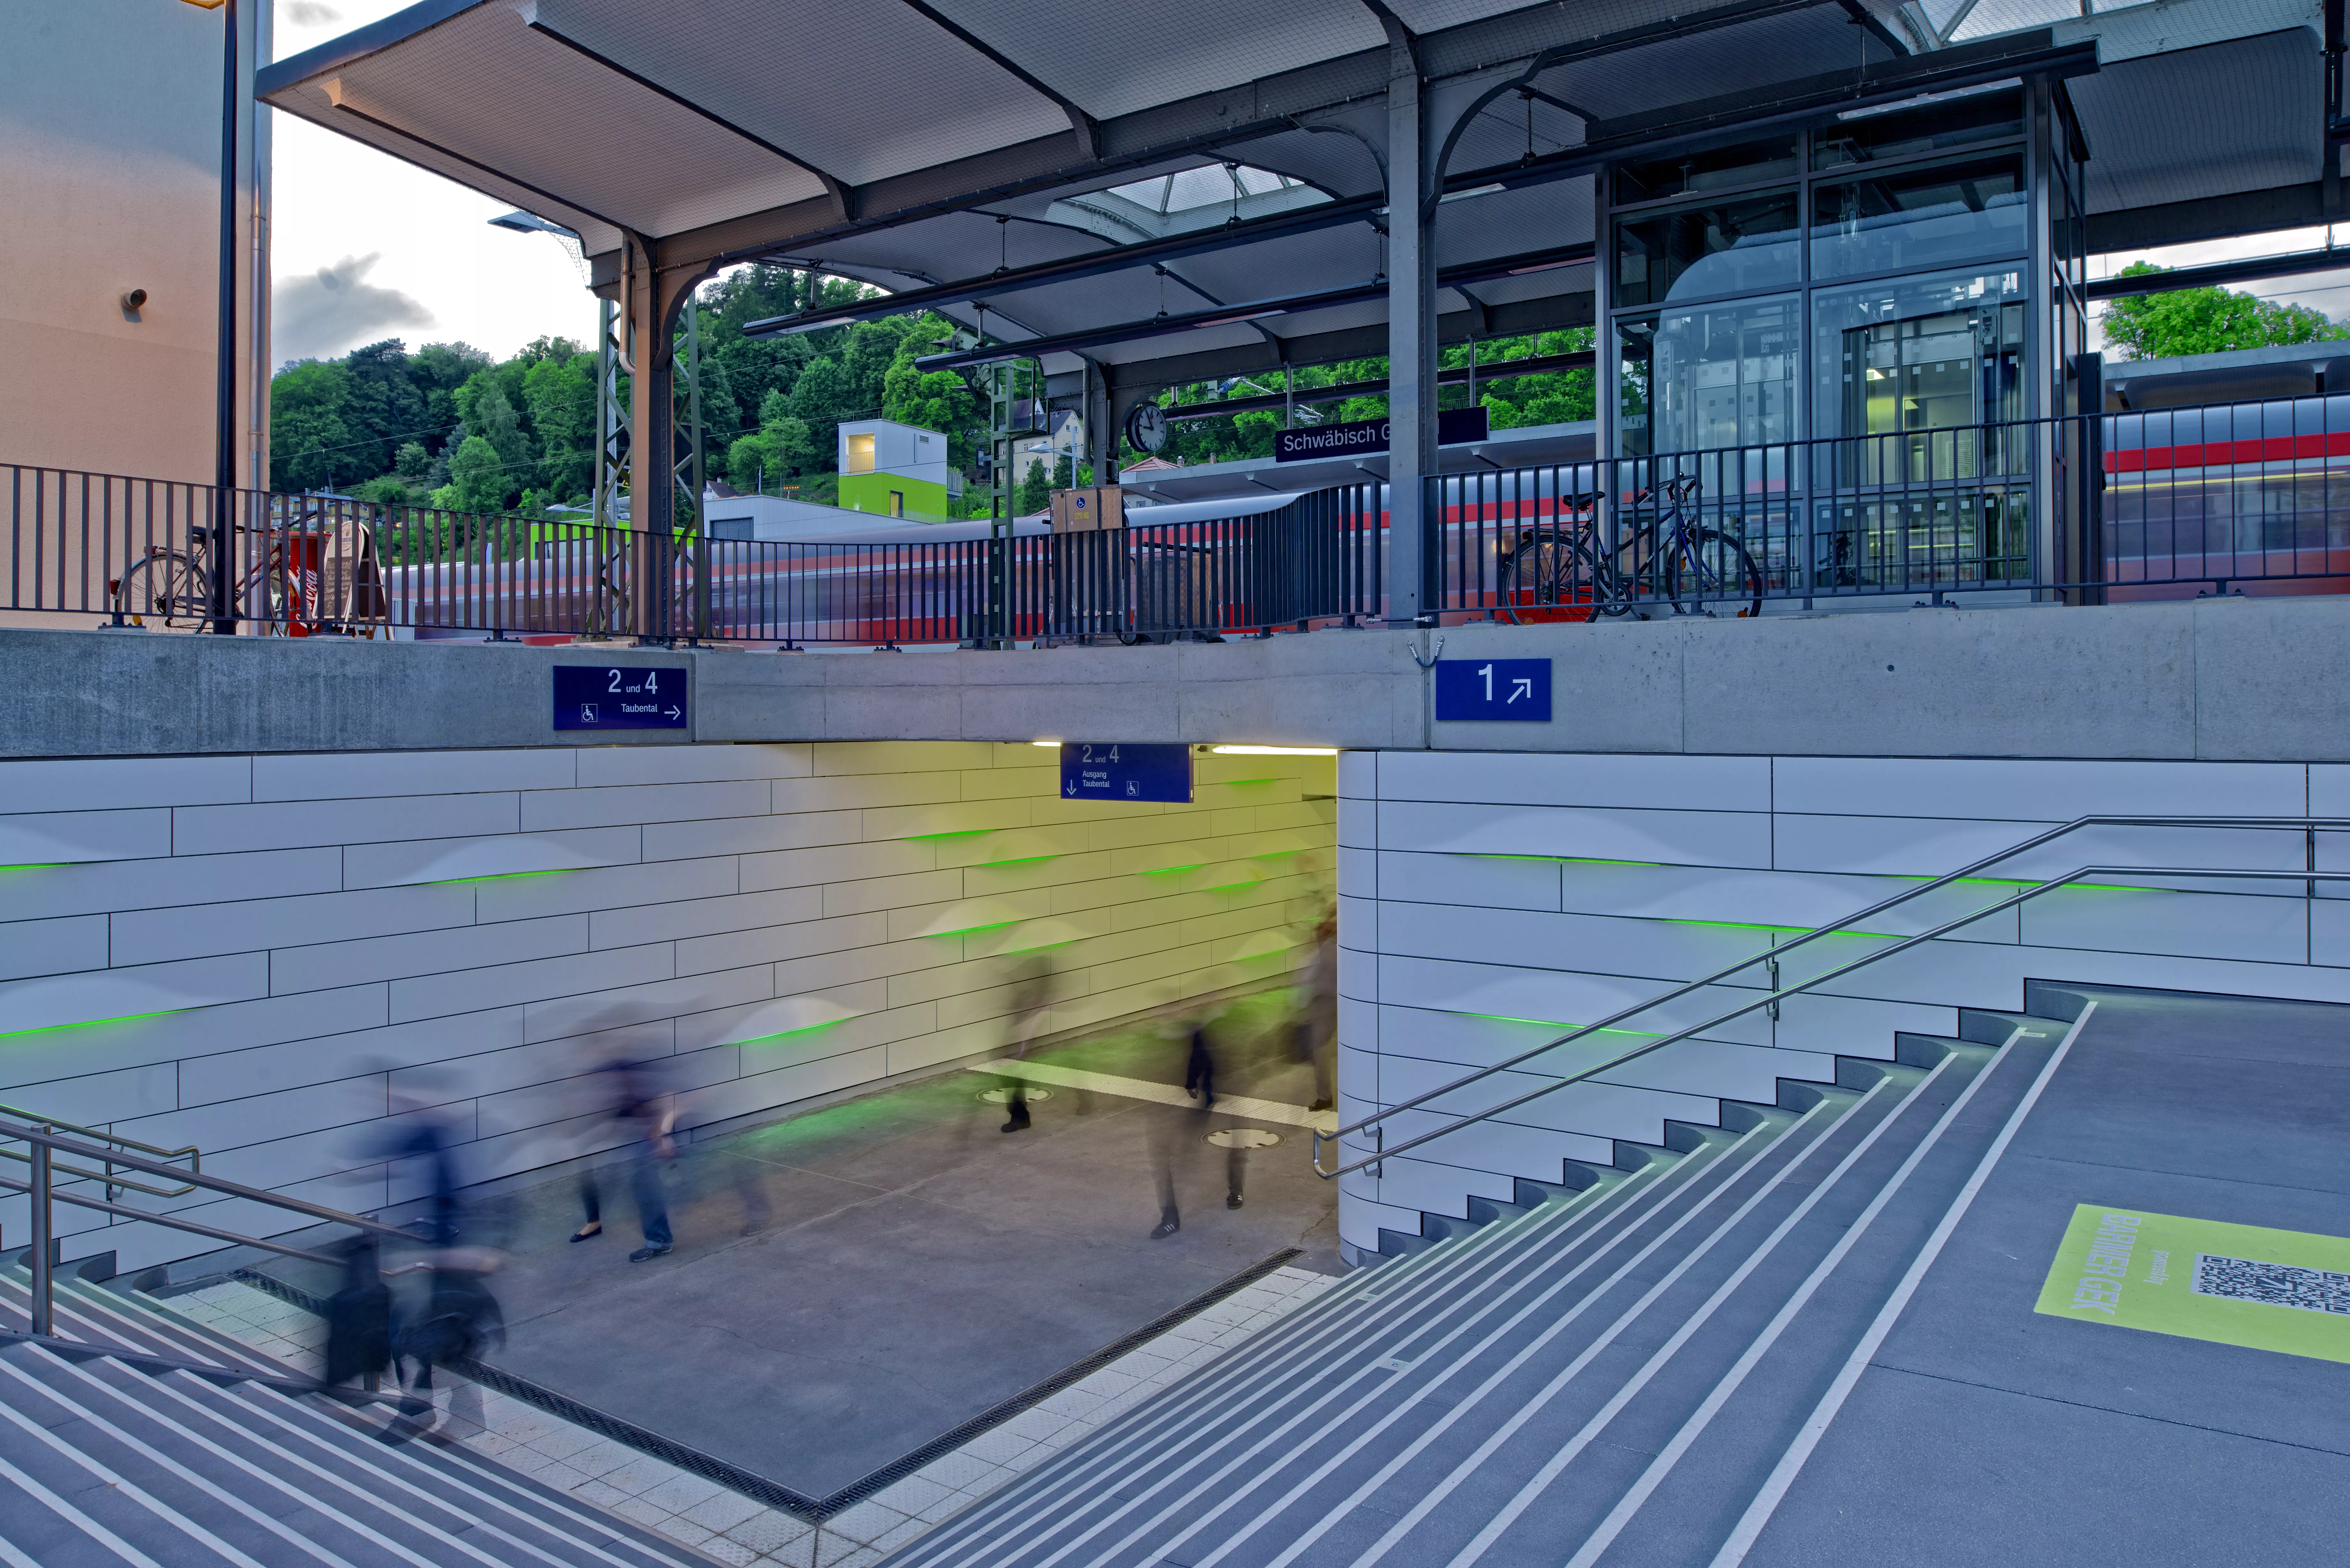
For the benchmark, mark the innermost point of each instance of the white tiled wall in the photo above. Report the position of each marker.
(261, 955)
(1487, 901)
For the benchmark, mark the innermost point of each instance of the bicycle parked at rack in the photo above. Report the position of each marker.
(289, 581)
(1568, 572)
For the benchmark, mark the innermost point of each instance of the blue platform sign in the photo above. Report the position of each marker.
(620, 697)
(1505, 689)
(1116, 770)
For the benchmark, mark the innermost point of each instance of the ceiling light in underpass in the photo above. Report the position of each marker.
(1275, 751)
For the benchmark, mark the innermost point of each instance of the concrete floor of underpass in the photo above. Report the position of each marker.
(2159, 1388)
(852, 1282)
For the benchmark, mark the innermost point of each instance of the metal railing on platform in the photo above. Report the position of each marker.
(2086, 509)
(1773, 992)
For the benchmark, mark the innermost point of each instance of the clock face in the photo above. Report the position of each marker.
(1145, 427)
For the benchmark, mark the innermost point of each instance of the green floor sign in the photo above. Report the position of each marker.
(2201, 1279)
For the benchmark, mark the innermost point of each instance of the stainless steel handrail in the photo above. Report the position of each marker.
(1771, 956)
(195, 1156)
(42, 1190)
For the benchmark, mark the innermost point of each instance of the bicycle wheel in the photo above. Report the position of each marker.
(1550, 576)
(1705, 565)
(167, 586)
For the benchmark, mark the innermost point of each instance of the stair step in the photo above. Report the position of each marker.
(1603, 1380)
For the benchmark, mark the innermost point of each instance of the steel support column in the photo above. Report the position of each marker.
(1411, 332)
(651, 302)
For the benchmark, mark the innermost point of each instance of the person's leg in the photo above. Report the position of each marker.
(1015, 1102)
(1164, 1131)
(591, 1199)
(1235, 1171)
(652, 1207)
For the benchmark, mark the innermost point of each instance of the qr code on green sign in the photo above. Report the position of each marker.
(2276, 1284)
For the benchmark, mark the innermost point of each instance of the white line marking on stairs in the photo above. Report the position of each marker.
(130, 1488)
(1590, 1352)
(1774, 1490)
(77, 1518)
(163, 1461)
(1657, 1192)
(310, 1500)
(1240, 1105)
(1406, 1284)
(1491, 1532)
(14, 1558)
(1691, 1430)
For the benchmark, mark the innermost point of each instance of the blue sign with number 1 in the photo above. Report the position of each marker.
(1504, 689)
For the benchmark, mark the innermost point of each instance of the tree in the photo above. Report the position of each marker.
(477, 480)
(308, 437)
(2185, 321)
(491, 417)
(561, 393)
(1035, 490)
(780, 445)
(413, 462)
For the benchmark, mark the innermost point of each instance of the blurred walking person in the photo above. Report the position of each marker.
(628, 1093)
(1031, 1002)
(456, 1318)
(1317, 1020)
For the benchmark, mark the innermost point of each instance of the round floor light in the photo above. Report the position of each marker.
(1244, 1137)
(1004, 1097)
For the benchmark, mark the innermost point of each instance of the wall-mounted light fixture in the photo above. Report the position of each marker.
(136, 300)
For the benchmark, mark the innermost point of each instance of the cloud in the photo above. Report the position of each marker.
(307, 13)
(316, 316)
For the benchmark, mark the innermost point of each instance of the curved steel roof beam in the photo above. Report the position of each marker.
(1088, 131)
(843, 194)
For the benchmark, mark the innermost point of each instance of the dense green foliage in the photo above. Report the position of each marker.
(448, 426)
(1553, 396)
(2207, 321)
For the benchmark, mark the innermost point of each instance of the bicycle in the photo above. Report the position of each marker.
(175, 585)
(1555, 574)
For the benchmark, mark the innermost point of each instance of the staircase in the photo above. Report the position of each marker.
(163, 1444)
(1628, 1375)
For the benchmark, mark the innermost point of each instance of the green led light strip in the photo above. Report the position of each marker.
(88, 1023)
(802, 1029)
(504, 877)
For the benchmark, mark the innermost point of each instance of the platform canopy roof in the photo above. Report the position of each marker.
(1180, 188)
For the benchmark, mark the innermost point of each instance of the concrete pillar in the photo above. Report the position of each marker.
(1411, 334)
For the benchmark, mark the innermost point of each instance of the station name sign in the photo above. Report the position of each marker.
(1366, 437)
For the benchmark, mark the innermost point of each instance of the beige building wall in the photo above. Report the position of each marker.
(109, 152)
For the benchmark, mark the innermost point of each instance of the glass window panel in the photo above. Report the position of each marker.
(1910, 354)
(1716, 169)
(1724, 249)
(1719, 376)
(1950, 122)
(1921, 217)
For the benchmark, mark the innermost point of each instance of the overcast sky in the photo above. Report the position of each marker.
(368, 247)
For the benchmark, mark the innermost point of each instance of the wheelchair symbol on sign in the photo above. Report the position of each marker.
(1133, 787)
(588, 713)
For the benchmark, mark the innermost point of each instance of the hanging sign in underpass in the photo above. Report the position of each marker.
(1096, 770)
(620, 697)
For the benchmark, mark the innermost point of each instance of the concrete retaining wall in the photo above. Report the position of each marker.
(263, 956)
(2225, 679)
